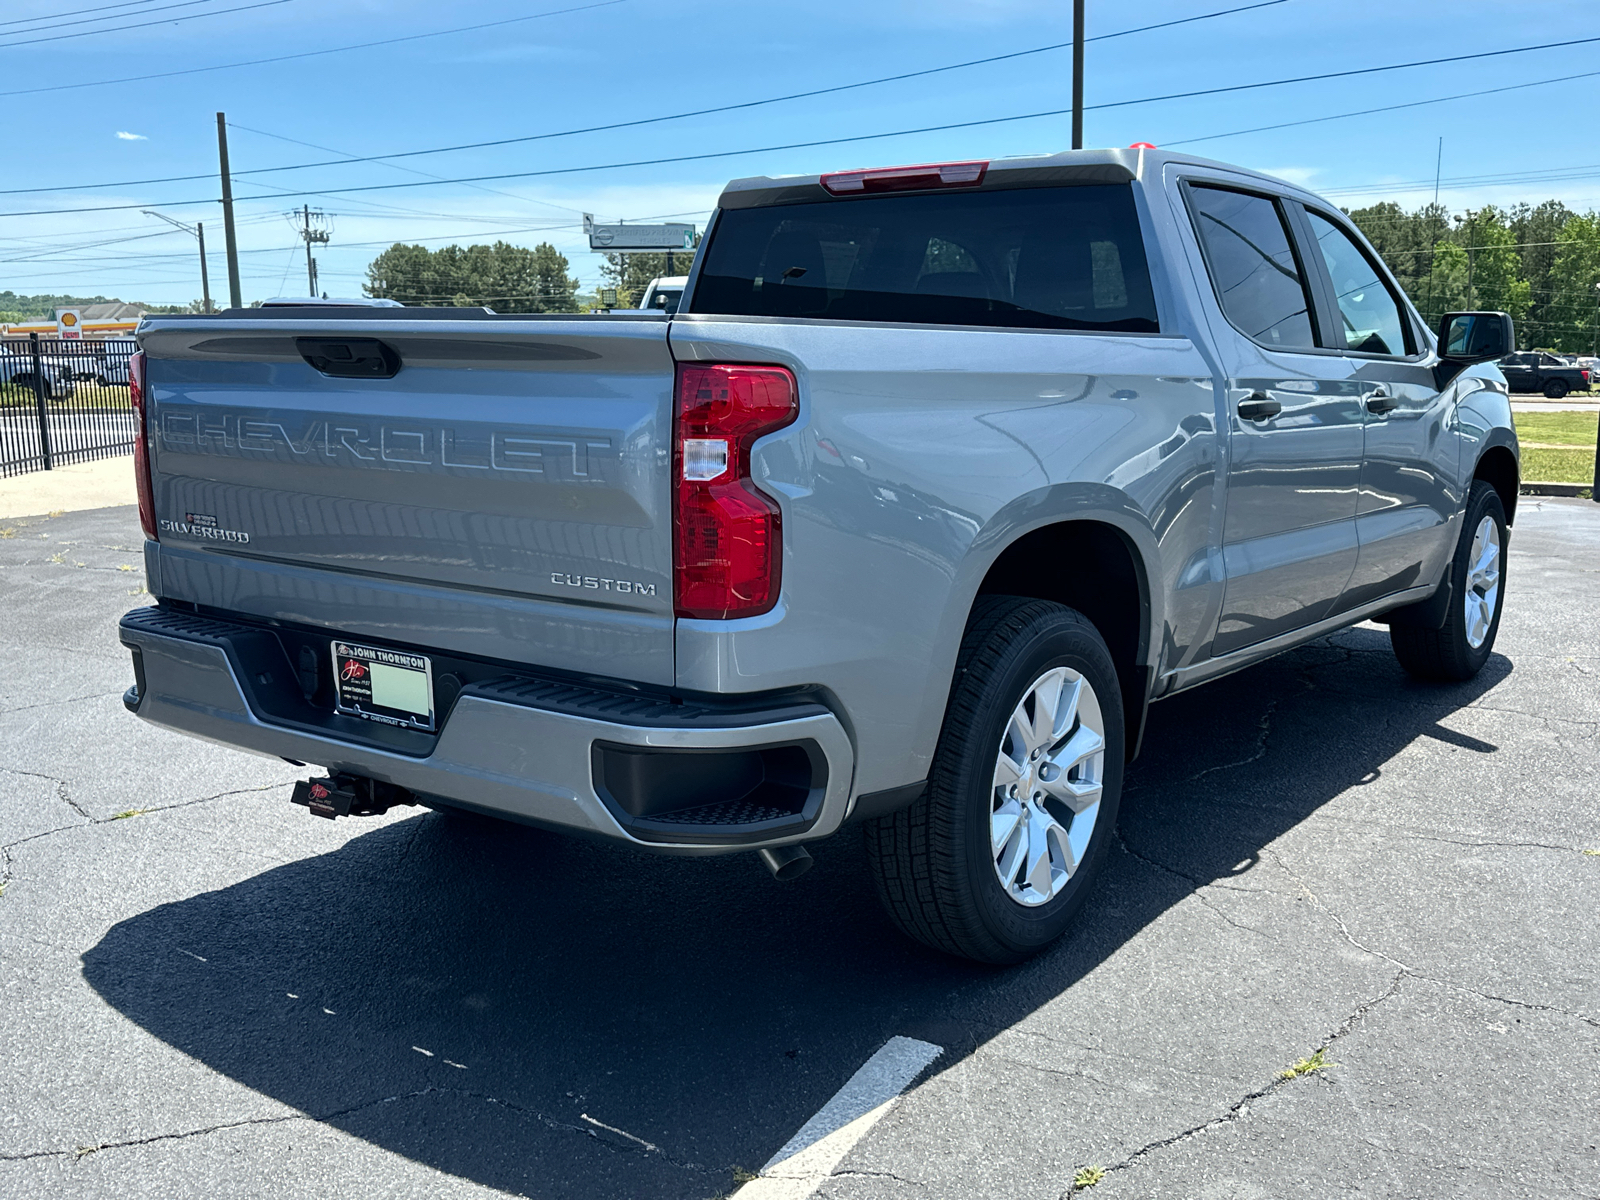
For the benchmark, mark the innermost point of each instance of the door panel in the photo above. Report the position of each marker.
(1411, 456)
(1408, 483)
(1289, 539)
(1289, 536)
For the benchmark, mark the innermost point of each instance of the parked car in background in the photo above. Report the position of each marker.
(112, 368)
(19, 369)
(1541, 371)
(664, 294)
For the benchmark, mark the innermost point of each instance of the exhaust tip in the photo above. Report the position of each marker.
(787, 863)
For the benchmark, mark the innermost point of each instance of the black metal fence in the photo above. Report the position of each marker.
(63, 401)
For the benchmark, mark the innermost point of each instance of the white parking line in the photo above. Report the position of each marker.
(810, 1156)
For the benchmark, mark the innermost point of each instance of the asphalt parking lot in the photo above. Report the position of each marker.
(207, 991)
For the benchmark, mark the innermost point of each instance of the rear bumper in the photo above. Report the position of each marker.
(679, 777)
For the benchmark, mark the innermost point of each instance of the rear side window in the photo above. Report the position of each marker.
(1253, 268)
(1041, 258)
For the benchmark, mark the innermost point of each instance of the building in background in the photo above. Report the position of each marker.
(114, 319)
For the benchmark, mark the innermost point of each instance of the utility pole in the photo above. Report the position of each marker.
(205, 277)
(311, 263)
(1077, 74)
(234, 300)
(198, 230)
(317, 237)
(1471, 258)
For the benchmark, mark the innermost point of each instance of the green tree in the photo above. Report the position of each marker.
(1573, 305)
(1494, 268)
(506, 278)
(1538, 234)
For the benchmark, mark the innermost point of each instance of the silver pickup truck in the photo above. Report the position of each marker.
(937, 479)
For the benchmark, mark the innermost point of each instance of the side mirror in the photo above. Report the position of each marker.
(1474, 337)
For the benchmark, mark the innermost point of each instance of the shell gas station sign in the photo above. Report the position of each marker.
(69, 323)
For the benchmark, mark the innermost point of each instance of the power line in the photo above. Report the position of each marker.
(1211, 137)
(636, 122)
(398, 167)
(730, 153)
(62, 37)
(74, 12)
(96, 20)
(61, 87)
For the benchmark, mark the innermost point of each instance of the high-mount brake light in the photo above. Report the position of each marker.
(141, 445)
(1142, 146)
(906, 179)
(727, 540)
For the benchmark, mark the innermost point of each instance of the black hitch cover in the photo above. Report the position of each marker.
(325, 797)
(349, 796)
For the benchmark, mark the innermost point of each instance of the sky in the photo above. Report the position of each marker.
(551, 66)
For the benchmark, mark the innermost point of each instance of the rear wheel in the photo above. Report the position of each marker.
(1457, 651)
(1556, 389)
(995, 859)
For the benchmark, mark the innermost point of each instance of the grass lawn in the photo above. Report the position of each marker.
(1558, 466)
(1558, 428)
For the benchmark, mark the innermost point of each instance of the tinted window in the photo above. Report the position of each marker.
(1252, 266)
(1369, 316)
(1050, 258)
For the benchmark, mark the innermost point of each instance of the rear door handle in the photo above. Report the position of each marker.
(1258, 406)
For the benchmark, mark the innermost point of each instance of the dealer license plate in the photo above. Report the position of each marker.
(390, 686)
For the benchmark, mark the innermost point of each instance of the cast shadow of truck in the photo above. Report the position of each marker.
(567, 1019)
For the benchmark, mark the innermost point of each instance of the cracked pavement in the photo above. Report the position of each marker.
(208, 992)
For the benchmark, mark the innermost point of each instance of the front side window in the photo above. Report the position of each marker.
(1253, 268)
(1369, 315)
(1041, 258)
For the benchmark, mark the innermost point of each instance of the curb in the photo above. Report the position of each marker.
(1534, 488)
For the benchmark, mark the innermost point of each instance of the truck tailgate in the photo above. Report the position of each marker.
(505, 493)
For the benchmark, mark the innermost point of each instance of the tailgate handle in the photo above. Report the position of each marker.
(350, 358)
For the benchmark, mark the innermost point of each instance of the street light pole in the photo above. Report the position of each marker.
(195, 231)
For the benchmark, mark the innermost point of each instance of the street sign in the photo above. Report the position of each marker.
(621, 237)
(69, 323)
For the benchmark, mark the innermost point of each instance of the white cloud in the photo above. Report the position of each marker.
(125, 136)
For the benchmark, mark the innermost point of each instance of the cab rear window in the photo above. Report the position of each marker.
(1036, 258)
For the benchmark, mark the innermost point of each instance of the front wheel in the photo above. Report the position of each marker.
(995, 859)
(1556, 389)
(1457, 651)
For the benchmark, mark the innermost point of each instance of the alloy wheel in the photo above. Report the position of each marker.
(1483, 581)
(1048, 779)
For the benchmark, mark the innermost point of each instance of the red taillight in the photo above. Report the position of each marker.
(906, 179)
(141, 445)
(728, 547)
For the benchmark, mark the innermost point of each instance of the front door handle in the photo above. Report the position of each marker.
(1258, 406)
(1381, 402)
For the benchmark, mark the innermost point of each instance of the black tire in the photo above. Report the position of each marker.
(932, 862)
(1445, 655)
(1556, 389)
